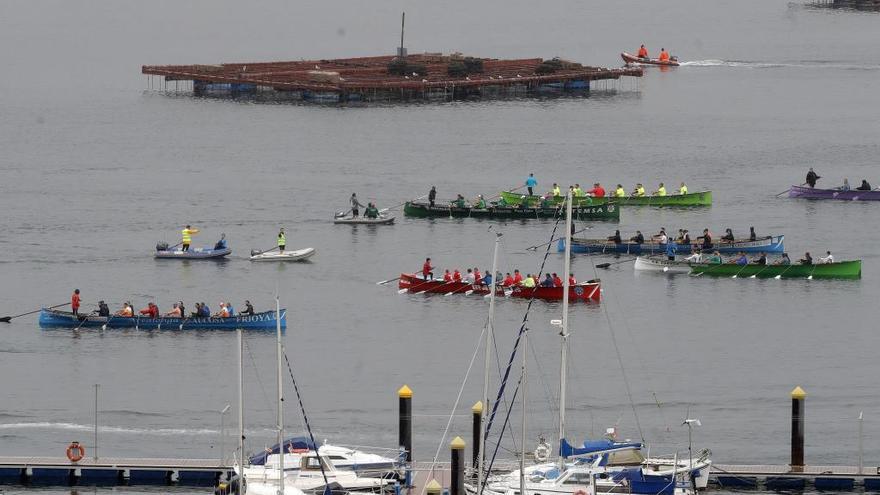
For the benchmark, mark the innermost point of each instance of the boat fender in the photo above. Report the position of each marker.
(75, 451)
(542, 452)
(162, 246)
(580, 491)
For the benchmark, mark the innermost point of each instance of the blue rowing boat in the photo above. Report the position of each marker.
(258, 321)
(769, 245)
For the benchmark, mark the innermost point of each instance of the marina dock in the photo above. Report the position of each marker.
(383, 78)
(111, 471)
(775, 477)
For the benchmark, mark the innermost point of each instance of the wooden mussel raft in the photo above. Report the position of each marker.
(494, 212)
(585, 291)
(700, 198)
(840, 269)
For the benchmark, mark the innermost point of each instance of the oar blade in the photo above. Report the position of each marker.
(603, 265)
(6, 319)
(401, 291)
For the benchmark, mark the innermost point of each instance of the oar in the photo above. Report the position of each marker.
(606, 265)
(458, 290)
(779, 276)
(6, 319)
(789, 189)
(740, 270)
(533, 248)
(254, 252)
(383, 210)
(438, 287)
(383, 282)
(83, 322)
(810, 277)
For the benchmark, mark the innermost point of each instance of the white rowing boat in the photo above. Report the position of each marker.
(275, 255)
(382, 220)
(643, 263)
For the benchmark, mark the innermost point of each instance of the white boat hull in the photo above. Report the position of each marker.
(645, 264)
(297, 255)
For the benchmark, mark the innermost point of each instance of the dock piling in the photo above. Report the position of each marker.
(477, 414)
(456, 485)
(404, 423)
(433, 488)
(797, 429)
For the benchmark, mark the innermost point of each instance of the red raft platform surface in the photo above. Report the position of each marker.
(427, 75)
(585, 291)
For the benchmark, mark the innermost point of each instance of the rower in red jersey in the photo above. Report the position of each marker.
(572, 280)
(478, 277)
(557, 282)
(517, 277)
(427, 270)
(456, 276)
(447, 277)
(508, 280)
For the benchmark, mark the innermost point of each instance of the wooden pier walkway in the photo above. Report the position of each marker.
(111, 471)
(782, 477)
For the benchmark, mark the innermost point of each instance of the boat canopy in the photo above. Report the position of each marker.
(292, 444)
(594, 447)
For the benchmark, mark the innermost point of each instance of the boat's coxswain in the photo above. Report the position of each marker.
(427, 270)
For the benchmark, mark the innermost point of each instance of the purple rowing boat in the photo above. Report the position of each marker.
(851, 195)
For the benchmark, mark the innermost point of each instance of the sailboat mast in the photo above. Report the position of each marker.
(481, 456)
(522, 457)
(280, 399)
(563, 359)
(240, 400)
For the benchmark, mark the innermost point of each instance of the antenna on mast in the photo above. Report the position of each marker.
(401, 51)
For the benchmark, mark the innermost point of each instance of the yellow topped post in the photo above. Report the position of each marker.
(456, 467)
(433, 487)
(404, 392)
(477, 411)
(797, 429)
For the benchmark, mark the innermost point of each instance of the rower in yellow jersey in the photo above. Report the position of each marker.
(556, 192)
(620, 192)
(578, 192)
(186, 237)
(683, 189)
(661, 191)
(639, 191)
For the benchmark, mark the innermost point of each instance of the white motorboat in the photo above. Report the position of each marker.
(306, 472)
(343, 458)
(275, 255)
(644, 263)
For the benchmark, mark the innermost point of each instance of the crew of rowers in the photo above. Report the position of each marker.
(178, 311)
(473, 276)
(619, 192)
(741, 259)
(705, 241)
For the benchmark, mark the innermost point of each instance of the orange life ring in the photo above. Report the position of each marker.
(75, 451)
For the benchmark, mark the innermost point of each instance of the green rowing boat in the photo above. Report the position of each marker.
(584, 212)
(840, 269)
(702, 198)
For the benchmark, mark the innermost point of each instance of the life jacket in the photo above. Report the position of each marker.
(683, 190)
(282, 240)
(620, 192)
(661, 191)
(556, 191)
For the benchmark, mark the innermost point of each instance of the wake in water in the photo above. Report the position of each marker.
(108, 429)
(799, 64)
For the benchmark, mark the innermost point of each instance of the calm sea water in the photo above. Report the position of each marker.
(96, 170)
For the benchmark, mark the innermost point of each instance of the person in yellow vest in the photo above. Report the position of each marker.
(620, 192)
(639, 191)
(578, 192)
(661, 191)
(556, 191)
(683, 189)
(528, 282)
(282, 240)
(186, 236)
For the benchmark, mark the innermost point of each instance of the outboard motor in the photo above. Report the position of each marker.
(162, 246)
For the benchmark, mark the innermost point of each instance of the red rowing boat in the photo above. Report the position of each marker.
(632, 59)
(585, 291)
